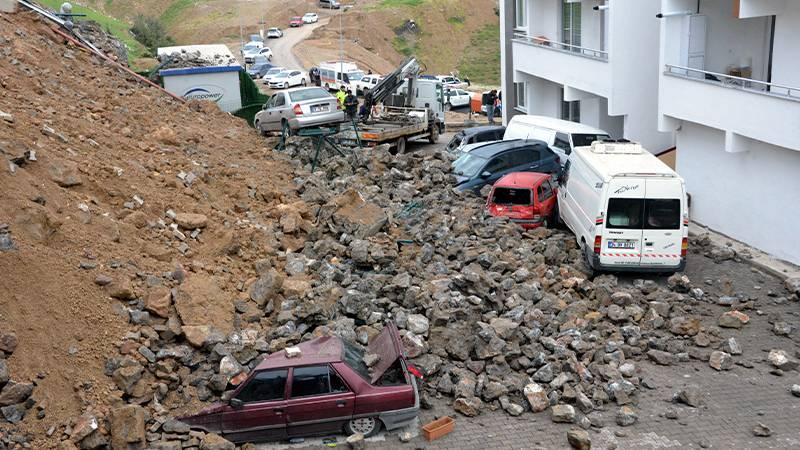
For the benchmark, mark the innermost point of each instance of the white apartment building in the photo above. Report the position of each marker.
(730, 90)
(593, 62)
(719, 79)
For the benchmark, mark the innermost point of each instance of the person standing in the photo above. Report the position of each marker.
(491, 101)
(340, 95)
(351, 105)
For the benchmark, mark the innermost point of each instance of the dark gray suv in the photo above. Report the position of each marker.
(489, 162)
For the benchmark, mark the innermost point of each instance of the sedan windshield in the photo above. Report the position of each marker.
(309, 94)
(583, 140)
(251, 48)
(274, 71)
(468, 165)
(282, 75)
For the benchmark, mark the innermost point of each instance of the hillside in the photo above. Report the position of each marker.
(87, 215)
(450, 35)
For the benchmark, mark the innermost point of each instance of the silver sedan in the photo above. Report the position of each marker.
(299, 108)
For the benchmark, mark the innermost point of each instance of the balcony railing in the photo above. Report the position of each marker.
(562, 47)
(730, 81)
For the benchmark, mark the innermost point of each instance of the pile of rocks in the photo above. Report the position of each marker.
(15, 396)
(492, 315)
(186, 59)
(94, 33)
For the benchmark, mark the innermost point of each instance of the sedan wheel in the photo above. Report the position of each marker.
(368, 426)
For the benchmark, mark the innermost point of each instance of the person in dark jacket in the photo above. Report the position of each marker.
(351, 105)
(491, 101)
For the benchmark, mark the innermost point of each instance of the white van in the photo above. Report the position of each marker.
(628, 210)
(561, 135)
(333, 74)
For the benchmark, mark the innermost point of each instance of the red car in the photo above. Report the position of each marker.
(325, 388)
(296, 21)
(527, 198)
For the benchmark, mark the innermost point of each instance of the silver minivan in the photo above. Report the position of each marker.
(331, 4)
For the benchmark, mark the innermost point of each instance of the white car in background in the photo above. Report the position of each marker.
(287, 79)
(449, 81)
(310, 18)
(253, 49)
(274, 33)
(456, 98)
(271, 73)
(366, 83)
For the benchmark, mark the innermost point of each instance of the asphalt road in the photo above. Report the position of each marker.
(282, 54)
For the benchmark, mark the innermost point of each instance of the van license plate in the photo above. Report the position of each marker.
(622, 243)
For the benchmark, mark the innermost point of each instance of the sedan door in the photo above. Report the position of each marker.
(271, 117)
(258, 410)
(320, 401)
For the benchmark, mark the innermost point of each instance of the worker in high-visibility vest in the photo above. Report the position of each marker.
(340, 95)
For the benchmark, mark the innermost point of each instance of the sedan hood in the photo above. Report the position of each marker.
(461, 179)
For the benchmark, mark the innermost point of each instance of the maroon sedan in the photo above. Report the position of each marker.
(325, 388)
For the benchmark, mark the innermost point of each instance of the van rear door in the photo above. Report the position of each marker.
(662, 234)
(621, 241)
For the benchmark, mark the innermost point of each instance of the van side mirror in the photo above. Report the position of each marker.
(236, 403)
(486, 174)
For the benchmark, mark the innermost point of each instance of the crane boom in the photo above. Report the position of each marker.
(409, 68)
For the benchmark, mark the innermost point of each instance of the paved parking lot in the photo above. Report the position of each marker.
(734, 401)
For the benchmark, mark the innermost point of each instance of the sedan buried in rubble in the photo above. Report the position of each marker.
(319, 387)
(299, 108)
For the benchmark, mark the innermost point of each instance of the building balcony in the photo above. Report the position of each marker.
(746, 109)
(577, 67)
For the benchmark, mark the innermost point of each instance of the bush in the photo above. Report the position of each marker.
(151, 33)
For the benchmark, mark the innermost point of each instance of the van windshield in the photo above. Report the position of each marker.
(511, 196)
(468, 165)
(584, 140)
(647, 214)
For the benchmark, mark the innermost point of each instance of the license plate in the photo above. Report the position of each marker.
(319, 108)
(622, 243)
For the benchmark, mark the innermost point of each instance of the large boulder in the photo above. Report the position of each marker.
(200, 301)
(127, 428)
(13, 393)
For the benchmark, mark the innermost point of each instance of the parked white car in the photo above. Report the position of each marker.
(451, 81)
(253, 49)
(274, 33)
(271, 73)
(456, 98)
(310, 18)
(366, 83)
(287, 79)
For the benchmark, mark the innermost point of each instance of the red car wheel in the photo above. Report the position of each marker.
(368, 426)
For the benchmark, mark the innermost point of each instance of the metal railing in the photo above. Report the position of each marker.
(562, 47)
(731, 81)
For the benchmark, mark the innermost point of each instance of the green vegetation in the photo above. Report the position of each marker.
(151, 33)
(481, 60)
(455, 20)
(399, 3)
(175, 10)
(404, 47)
(118, 28)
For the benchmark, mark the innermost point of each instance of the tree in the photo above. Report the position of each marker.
(151, 33)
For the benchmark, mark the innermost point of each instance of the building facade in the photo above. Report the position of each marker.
(729, 89)
(719, 79)
(581, 61)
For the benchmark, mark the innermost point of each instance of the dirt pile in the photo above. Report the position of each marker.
(98, 176)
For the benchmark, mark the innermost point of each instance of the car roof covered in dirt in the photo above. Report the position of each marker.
(323, 350)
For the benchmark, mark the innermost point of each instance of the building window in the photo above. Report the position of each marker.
(571, 23)
(571, 111)
(520, 92)
(519, 14)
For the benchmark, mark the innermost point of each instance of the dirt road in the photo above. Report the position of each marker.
(282, 49)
